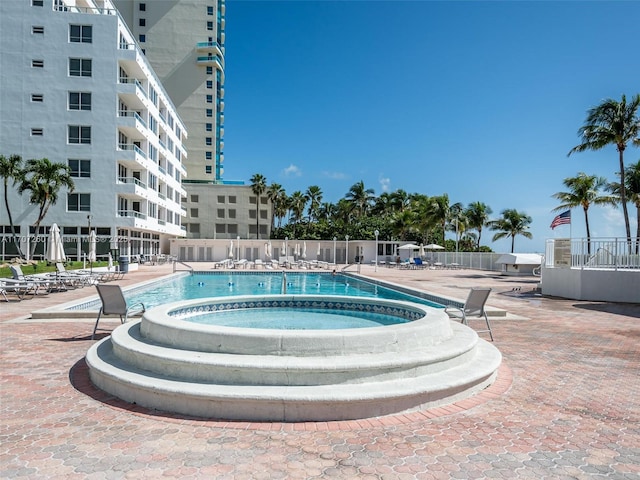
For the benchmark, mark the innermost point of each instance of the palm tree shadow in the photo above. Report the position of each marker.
(624, 309)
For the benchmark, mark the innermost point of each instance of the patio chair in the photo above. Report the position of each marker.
(19, 287)
(473, 307)
(114, 303)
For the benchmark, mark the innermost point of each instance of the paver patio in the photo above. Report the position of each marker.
(566, 405)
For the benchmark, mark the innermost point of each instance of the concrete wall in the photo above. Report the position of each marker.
(591, 284)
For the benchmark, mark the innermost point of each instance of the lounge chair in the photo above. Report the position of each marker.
(114, 303)
(47, 283)
(473, 307)
(20, 288)
(418, 263)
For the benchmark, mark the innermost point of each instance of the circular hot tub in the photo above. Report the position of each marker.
(176, 358)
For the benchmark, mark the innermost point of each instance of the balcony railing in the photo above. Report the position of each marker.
(162, 196)
(133, 180)
(131, 213)
(91, 10)
(131, 146)
(127, 113)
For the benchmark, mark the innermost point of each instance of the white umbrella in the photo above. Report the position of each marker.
(433, 246)
(410, 247)
(284, 249)
(231, 249)
(421, 250)
(55, 249)
(319, 252)
(304, 249)
(91, 256)
(110, 262)
(297, 250)
(267, 251)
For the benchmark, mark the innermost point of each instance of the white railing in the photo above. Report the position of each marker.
(596, 253)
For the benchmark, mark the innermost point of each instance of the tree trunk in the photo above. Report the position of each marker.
(623, 196)
(586, 221)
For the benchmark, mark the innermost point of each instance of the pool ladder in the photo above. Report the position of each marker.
(284, 283)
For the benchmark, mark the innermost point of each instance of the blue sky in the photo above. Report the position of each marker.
(480, 100)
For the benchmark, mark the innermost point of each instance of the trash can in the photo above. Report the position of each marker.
(123, 264)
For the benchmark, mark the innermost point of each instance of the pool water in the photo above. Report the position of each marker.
(298, 319)
(203, 285)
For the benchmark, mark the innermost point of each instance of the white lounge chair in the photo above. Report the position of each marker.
(46, 283)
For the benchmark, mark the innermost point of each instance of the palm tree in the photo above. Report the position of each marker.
(360, 198)
(632, 180)
(11, 170)
(278, 198)
(297, 204)
(477, 214)
(258, 187)
(438, 211)
(511, 224)
(44, 179)
(314, 195)
(584, 191)
(613, 123)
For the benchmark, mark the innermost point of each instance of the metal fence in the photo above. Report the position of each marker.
(596, 253)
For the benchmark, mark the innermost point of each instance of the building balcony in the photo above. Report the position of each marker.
(131, 124)
(131, 187)
(132, 156)
(131, 214)
(213, 47)
(216, 60)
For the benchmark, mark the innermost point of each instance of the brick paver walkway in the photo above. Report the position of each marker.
(566, 405)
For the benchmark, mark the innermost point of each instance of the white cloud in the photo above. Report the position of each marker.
(384, 183)
(292, 171)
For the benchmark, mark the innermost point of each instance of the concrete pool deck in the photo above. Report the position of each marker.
(566, 404)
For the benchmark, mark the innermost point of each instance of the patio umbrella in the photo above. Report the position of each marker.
(91, 256)
(284, 249)
(304, 250)
(267, 251)
(55, 249)
(421, 250)
(319, 252)
(231, 249)
(433, 246)
(109, 262)
(410, 247)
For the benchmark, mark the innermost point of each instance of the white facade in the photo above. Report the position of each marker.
(76, 89)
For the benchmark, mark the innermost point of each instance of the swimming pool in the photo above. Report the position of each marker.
(219, 284)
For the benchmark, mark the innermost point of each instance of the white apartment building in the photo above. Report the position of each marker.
(184, 41)
(76, 88)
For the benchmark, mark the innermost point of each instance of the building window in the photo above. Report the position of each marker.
(209, 70)
(208, 170)
(79, 101)
(142, 38)
(252, 214)
(208, 127)
(194, 213)
(209, 10)
(37, 29)
(80, 168)
(80, 67)
(194, 227)
(232, 213)
(81, 33)
(209, 112)
(142, 22)
(37, 63)
(232, 199)
(142, 7)
(232, 229)
(195, 198)
(79, 134)
(220, 228)
(263, 214)
(209, 25)
(208, 155)
(79, 202)
(209, 98)
(221, 213)
(37, 3)
(209, 83)
(37, 132)
(208, 141)
(37, 97)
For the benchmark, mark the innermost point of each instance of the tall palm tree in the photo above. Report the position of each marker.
(258, 187)
(11, 170)
(584, 191)
(314, 194)
(613, 123)
(43, 180)
(511, 224)
(276, 195)
(297, 204)
(360, 198)
(632, 180)
(438, 211)
(477, 214)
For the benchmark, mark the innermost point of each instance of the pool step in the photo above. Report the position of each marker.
(456, 369)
